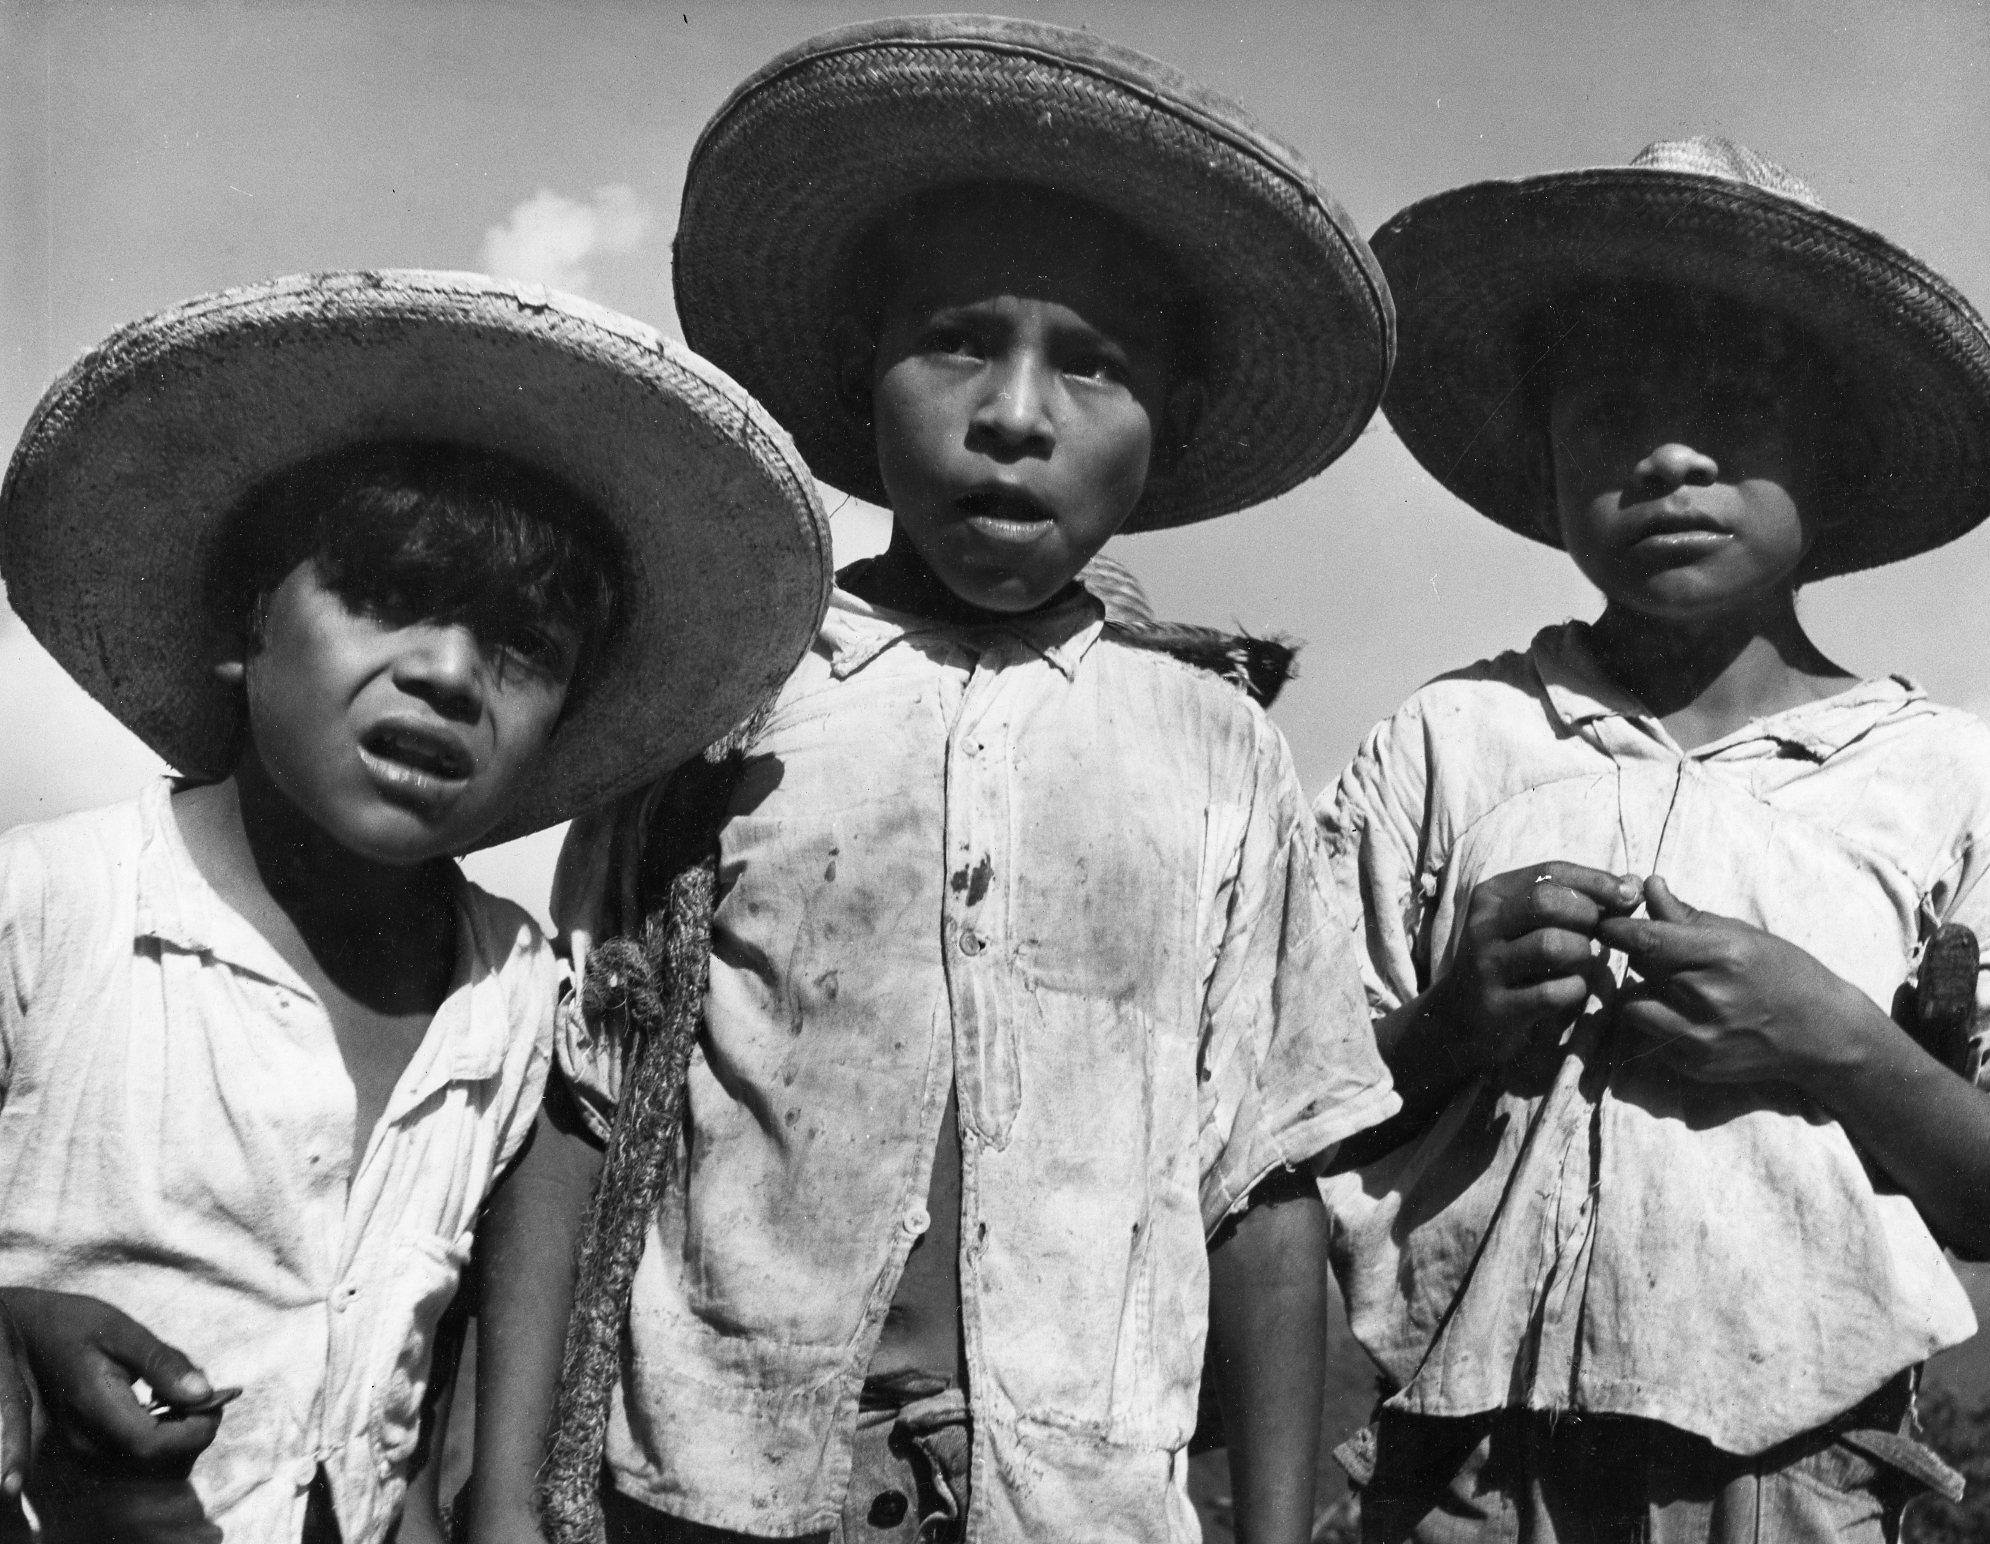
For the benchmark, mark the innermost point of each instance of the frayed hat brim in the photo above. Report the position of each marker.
(814, 150)
(1474, 267)
(118, 490)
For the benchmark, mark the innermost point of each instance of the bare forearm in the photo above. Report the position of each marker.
(1267, 1329)
(1927, 1128)
(531, 1233)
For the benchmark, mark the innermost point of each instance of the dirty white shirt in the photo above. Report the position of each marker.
(1072, 878)
(176, 1138)
(1599, 1232)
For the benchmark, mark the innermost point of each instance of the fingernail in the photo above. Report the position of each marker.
(12, 1483)
(194, 1385)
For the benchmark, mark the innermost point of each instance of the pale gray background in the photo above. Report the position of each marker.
(150, 152)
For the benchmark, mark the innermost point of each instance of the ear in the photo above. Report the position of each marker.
(854, 349)
(231, 668)
(1181, 416)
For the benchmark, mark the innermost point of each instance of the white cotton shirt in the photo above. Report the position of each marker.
(1070, 878)
(1594, 1230)
(176, 1138)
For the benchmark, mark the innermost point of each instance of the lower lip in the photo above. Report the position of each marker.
(1015, 533)
(410, 785)
(1681, 545)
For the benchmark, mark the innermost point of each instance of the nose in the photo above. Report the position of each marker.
(1675, 465)
(445, 667)
(1013, 418)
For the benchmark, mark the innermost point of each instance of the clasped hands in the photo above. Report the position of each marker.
(1715, 998)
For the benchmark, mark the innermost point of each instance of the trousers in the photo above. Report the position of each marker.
(1528, 1477)
(908, 1479)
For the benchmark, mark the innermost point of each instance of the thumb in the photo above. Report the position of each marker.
(138, 1351)
(1664, 906)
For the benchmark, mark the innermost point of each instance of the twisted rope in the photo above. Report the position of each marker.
(649, 992)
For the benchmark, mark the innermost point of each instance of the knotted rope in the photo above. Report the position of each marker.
(649, 992)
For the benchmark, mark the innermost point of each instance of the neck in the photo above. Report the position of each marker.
(1705, 677)
(249, 839)
(901, 580)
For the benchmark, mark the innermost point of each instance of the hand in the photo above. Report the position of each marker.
(1725, 1002)
(88, 1506)
(85, 1355)
(1526, 962)
(21, 1417)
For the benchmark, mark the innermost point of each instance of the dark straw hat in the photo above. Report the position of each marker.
(119, 488)
(807, 156)
(1473, 268)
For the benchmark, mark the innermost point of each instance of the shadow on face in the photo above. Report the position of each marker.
(1026, 362)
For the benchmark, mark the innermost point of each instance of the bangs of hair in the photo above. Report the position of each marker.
(425, 531)
(1152, 275)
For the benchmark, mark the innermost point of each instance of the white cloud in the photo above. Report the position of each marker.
(548, 238)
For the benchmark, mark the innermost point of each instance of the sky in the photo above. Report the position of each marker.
(152, 152)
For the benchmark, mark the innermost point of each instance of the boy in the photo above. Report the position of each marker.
(390, 565)
(1021, 986)
(1658, 1251)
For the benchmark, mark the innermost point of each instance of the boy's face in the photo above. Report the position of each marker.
(1680, 476)
(1020, 381)
(401, 742)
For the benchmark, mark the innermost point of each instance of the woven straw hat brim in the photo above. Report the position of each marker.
(812, 151)
(1471, 268)
(115, 497)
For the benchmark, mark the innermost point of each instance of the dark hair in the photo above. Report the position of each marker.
(870, 275)
(421, 530)
(1750, 339)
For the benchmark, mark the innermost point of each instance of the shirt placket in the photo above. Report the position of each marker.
(976, 936)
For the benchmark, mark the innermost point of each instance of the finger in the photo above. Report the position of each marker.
(1544, 953)
(1665, 1032)
(135, 1348)
(1659, 948)
(1552, 1002)
(17, 1422)
(1608, 892)
(1664, 905)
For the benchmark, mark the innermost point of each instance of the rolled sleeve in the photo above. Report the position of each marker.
(1371, 836)
(23, 905)
(1290, 1067)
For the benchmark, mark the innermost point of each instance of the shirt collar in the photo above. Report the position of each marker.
(466, 1040)
(855, 632)
(1579, 693)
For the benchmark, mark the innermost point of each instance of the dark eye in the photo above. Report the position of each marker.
(1102, 365)
(947, 338)
(549, 651)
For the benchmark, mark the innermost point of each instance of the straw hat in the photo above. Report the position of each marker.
(117, 492)
(812, 151)
(1471, 268)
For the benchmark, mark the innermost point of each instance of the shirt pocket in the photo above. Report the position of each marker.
(417, 1278)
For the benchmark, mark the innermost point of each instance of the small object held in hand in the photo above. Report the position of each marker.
(1945, 997)
(167, 1410)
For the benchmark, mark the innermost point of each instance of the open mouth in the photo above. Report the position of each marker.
(414, 759)
(1005, 514)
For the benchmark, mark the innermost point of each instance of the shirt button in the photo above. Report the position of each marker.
(303, 1472)
(971, 942)
(916, 1221)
